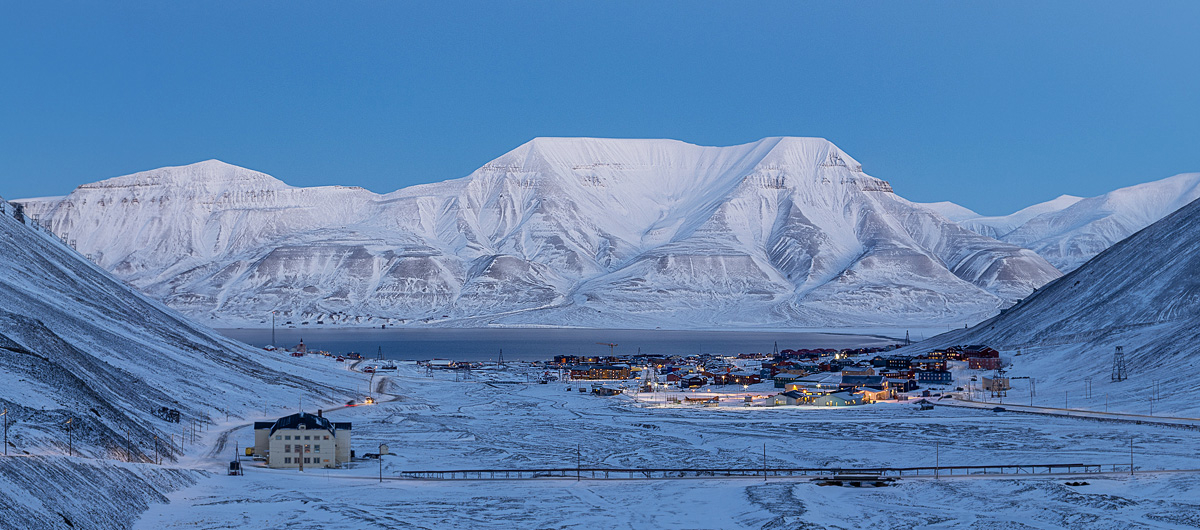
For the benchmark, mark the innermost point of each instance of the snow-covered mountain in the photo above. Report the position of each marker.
(562, 231)
(1000, 226)
(1068, 230)
(86, 360)
(77, 343)
(1142, 294)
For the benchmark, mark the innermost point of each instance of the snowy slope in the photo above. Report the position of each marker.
(77, 343)
(562, 231)
(1143, 294)
(1000, 226)
(949, 210)
(1068, 231)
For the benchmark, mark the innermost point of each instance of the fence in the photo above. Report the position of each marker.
(681, 473)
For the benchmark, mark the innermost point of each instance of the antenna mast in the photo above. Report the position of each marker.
(1119, 373)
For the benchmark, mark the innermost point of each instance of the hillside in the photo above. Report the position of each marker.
(1068, 230)
(1143, 294)
(81, 351)
(559, 231)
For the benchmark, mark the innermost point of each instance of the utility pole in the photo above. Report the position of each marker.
(156, 459)
(70, 438)
(764, 461)
(578, 461)
(5, 414)
(937, 458)
(1130, 455)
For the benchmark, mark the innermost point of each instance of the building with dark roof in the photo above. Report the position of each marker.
(302, 440)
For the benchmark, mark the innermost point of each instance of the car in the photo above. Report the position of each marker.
(998, 409)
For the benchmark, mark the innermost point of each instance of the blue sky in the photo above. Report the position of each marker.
(994, 106)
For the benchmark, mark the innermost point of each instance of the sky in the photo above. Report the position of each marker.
(994, 106)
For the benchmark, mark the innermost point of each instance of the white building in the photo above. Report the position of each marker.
(302, 440)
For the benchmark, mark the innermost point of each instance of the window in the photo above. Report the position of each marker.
(287, 437)
(287, 448)
(307, 460)
(307, 449)
(306, 437)
(326, 459)
(316, 448)
(287, 460)
(326, 436)
(278, 437)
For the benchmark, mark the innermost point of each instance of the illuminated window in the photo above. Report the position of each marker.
(287, 448)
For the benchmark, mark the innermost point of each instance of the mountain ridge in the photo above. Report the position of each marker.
(562, 231)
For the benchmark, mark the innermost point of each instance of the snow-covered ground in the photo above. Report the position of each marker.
(437, 423)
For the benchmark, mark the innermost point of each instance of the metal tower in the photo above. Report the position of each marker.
(1118, 372)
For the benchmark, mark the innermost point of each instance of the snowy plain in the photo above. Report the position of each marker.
(438, 423)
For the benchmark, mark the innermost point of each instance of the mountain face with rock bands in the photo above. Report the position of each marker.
(559, 231)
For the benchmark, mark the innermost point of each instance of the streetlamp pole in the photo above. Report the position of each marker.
(937, 458)
(5, 414)
(71, 438)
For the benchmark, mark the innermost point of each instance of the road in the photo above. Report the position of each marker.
(222, 440)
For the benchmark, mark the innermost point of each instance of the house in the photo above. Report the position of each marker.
(736, 378)
(935, 377)
(899, 362)
(693, 381)
(858, 370)
(783, 378)
(902, 385)
(837, 399)
(979, 350)
(983, 363)
(871, 395)
(302, 440)
(996, 384)
(859, 381)
(929, 364)
(791, 397)
(819, 381)
(600, 371)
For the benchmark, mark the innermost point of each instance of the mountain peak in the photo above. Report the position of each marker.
(207, 173)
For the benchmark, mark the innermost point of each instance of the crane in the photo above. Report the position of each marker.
(611, 347)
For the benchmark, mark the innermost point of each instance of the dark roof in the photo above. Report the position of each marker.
(263, 425)
(862, 380)
(342, 426)
(309, 421)
(793, 394)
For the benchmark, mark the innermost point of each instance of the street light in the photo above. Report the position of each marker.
(383, 450)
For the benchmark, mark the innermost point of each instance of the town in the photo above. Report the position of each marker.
(817, 377)
(823, 377)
